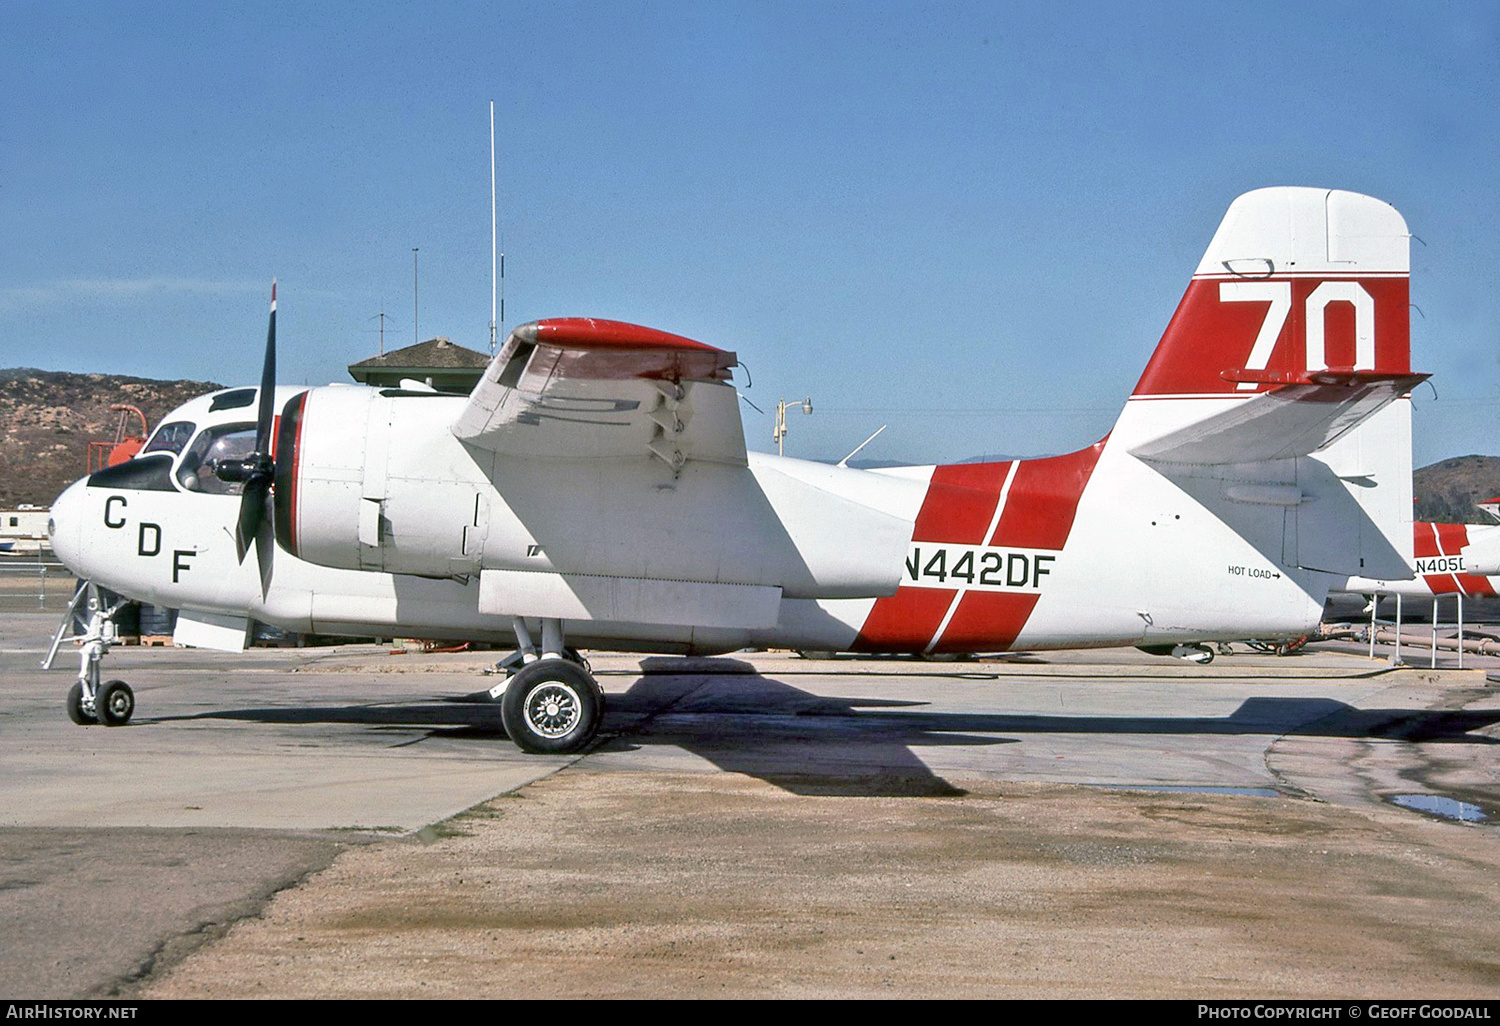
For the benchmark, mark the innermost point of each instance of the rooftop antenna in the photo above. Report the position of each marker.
(414, 337)
(381, 315)
(497, 277)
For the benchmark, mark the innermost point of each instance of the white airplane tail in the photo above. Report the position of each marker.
(1277, 396)
(1264, 455)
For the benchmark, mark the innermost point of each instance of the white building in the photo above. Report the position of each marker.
(23, 531)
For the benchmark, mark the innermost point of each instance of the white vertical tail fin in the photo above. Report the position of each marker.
(1281, 379)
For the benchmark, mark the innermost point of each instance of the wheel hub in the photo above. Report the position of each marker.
(552, 709)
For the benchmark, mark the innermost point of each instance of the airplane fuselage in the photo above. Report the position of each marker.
(1027, 554)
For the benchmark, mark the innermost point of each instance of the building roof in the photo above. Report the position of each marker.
(434, 354)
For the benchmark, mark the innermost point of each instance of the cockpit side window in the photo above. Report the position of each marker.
(228, 441)
(170, 437)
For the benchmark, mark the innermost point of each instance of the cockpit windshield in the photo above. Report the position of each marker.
(170, 437)
(228, 441)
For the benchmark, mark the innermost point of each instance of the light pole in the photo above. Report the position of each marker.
(778, 433)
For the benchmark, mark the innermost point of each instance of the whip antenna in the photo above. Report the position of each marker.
(497, 276)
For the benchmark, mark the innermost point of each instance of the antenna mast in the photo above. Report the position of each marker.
(495, 276)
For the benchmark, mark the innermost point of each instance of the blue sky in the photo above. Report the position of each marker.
(968, 221)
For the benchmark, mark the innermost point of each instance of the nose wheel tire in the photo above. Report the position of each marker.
(552, 706)
(114, 703)
(76, 712)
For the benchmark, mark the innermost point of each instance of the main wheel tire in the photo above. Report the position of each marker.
(551, 706)
(114, 703)
(76, 712)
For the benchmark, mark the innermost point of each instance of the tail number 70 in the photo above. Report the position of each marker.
(1279, 295)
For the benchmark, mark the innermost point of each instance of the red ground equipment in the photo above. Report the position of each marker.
(125, 445)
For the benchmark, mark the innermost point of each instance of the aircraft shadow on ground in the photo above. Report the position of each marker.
(743, 722)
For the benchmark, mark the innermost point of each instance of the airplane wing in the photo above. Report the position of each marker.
(1296, 419)
(577, 388)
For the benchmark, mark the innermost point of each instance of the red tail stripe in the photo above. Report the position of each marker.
(1441, 584)
(1473, 584)
(1208, 335)
(1451, 538)
(961, 500)
(1429, 540)
(1424, 539)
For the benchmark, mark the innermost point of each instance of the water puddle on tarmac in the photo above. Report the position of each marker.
(1438, 805)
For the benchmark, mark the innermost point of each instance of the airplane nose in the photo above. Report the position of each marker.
(65, 526)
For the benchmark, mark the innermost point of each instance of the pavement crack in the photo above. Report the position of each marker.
(174, 949)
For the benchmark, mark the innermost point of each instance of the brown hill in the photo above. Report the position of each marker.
(1448, 491)
(48, 418)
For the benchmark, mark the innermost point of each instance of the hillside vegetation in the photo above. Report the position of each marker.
(48, 419)
(1449, 490)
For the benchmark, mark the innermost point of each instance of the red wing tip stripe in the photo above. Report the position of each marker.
(587, 332)
(1280, 275)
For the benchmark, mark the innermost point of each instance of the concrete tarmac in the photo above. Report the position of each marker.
(125, 850)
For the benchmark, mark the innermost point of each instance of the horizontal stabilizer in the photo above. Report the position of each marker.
(1288, 421)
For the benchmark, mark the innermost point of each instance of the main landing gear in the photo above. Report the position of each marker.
(552, 704)
(89, 701)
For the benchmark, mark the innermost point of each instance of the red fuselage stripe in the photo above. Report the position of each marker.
(962, 500)
(1430, 540)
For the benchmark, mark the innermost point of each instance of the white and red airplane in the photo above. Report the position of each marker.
(595, 491)
(1447, 559)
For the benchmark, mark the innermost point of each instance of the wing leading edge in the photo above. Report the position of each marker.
(578, 388)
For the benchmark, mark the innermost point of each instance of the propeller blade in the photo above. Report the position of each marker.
(267, 411)
(252, 512)
(257, 469)
(265, 545)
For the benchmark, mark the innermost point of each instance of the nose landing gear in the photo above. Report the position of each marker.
(89, 701)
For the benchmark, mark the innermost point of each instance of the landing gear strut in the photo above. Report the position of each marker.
(89, 701)
(552, 704)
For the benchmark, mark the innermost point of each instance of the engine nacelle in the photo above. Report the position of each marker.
(346, 499)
